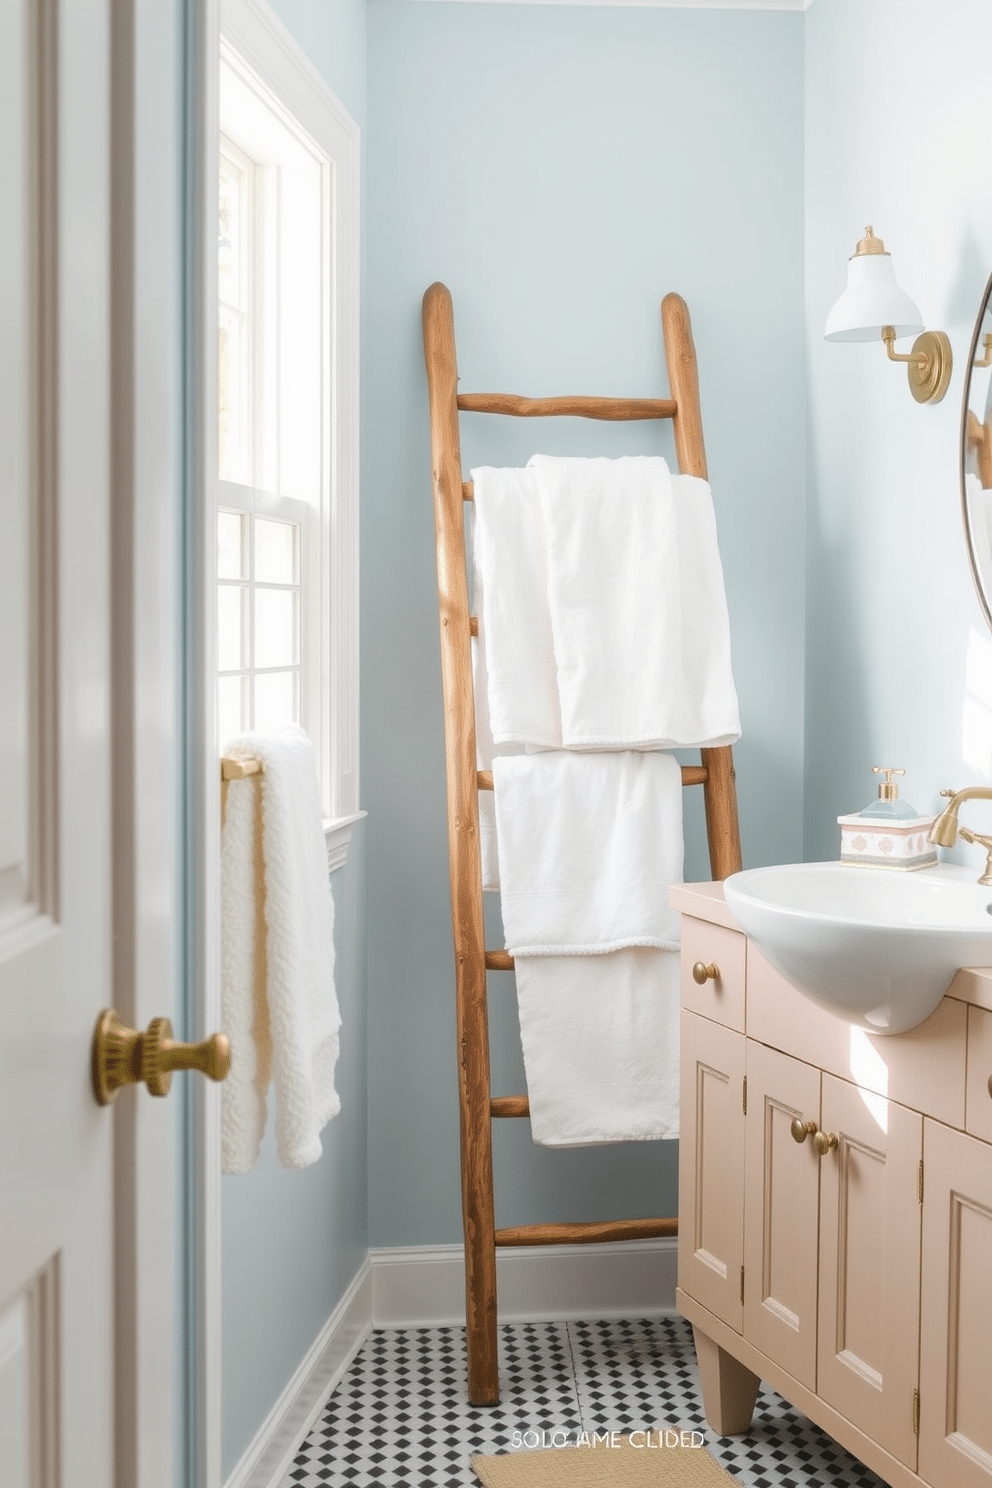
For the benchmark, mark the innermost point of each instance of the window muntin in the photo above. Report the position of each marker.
(273, 427)
(259, 609)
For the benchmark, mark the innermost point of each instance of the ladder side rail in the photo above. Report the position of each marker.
(719, 789)
(463, 846)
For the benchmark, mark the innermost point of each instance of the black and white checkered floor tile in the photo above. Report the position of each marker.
(400, 1416)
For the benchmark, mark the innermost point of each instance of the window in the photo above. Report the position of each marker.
(287, 371)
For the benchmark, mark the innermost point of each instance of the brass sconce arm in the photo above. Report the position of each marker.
(920, 359)
(928, 364)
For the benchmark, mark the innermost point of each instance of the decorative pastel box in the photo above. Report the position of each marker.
(871, 842)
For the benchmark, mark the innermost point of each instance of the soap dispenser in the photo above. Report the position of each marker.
(888, 832)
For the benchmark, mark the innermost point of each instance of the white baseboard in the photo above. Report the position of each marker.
(425, 1286)
(278, 1439)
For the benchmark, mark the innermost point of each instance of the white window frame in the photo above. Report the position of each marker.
(254, 43)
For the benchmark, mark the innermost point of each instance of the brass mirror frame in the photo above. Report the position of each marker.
(974, 434)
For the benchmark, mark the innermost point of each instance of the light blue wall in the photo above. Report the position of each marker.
(332, 33)
(896, 108)
(293, 1241)
(561, 169)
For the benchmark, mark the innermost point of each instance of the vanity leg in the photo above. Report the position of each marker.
(729, 1389)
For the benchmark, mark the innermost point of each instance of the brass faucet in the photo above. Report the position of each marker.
(945, 830)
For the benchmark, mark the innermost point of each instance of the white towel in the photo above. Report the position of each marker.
(515, 662)
(288, 1022)
(638, 613)
(602, 613)
(588, 845)
(600, 1037)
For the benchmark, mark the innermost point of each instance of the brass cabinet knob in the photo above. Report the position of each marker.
(801, 1129)
(702, 973)
(824, 1142)
(122, 1056)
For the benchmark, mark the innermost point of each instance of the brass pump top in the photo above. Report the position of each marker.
(869, 244)
(887, 788)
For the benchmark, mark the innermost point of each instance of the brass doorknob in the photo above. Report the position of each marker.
(702, 973)
(122, 1056)
(801, 1129)
(824, 1142)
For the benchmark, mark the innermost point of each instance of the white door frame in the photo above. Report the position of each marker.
(203, 784)
(146, 489)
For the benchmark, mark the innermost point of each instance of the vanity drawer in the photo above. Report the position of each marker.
(978, 1097)
(721, 997)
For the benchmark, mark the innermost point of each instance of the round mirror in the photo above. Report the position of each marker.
(976, 454)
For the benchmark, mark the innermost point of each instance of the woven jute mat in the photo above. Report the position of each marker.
(646, 1459)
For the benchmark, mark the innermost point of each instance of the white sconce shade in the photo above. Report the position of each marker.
(874, 306)
(872, 298)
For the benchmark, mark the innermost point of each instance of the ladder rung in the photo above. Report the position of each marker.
(691, 775)
(596, 408)
(499, 961)
(473, 625)
(591, 1233)
(509, 1105)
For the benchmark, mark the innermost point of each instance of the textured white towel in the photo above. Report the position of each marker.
(284, 1020)
(244, 1008)
(588, 845)
(639, 619)
(600, 1037)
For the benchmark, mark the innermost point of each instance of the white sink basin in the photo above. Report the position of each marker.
(876, 947)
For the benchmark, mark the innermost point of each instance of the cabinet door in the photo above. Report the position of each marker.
(711, 1169)
(868, 1326)
(781, 1211)
(956, 1336)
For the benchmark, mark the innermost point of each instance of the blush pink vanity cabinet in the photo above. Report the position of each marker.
(852, 1269)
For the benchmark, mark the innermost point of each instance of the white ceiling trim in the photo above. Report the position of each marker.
(667, 4)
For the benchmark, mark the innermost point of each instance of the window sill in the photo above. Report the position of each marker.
(337, 835)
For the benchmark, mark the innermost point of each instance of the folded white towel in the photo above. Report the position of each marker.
(515, 659)
(602, 615)
(297, 909)
(600, 1038)
(639, 619)
(588, 845)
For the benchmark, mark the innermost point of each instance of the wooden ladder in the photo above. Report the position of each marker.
(715, 774)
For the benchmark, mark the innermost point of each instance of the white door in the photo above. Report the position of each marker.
(89, 455)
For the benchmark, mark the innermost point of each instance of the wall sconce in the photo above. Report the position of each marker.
(873, 305)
